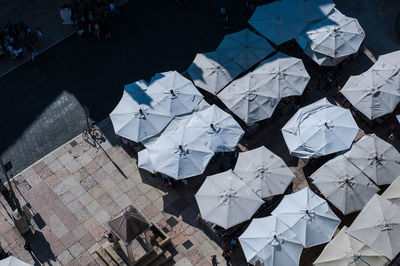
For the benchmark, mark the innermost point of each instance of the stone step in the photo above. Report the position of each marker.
(114, 255)
(105, 257)
(166, 256)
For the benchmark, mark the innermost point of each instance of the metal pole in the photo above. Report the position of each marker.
(13, 197)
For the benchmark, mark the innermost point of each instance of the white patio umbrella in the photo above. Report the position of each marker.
(212, 73)
(13, 261)
(264, 172)
(392, 193)
(375, 92)
(245, 48)
(218, 130)
(138, 116)
(345, 250)
(137, 85)
(335, 36)
(271, 242)
(377, 226)
(281, 71)
(379, 160)
(309, 216)
(179, 154)
(398, 118)
(390, 60)
(344, 185)
(250, 101)
(319, 129)
(144, 161)
(226, 200)
(174, 92)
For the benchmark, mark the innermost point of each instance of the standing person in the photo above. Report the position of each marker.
(97, 29)
(227, 257)
(391, 138)
(4, 190)
(214, 260)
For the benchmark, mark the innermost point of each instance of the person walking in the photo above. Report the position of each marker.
(214, 260)
(227, 257)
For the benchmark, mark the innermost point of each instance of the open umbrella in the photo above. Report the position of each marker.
(344, 185)
(319, 129)
(13, 261)
(377, 226)
(278, 21)
(138, 116)
(144, 161)
(179, 154)
(212, 73)
(309, 216)
(379, 160)
(175, 92)
(281, 71)
(249, 99)
(390, 60)
(345, 250)
(392, 193)
(245, 48)
(219, 130)
(271, 242)
(264, 172)
(375, 92)
(225, 200)
(336, 36)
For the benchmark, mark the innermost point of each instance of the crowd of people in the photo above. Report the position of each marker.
(89, 16)
(17, 39)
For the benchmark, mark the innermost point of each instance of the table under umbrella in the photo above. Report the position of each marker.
(319, 129)
(309, 216)
(344, 185)
(271, 242)
(226, 200)
(264, 172)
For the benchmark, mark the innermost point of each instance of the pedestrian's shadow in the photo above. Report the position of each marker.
(41, 251)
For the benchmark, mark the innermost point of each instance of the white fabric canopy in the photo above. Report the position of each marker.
(138, 116)
(211, 72)
(309, 216)
(179, 154)
(319, 129)
(283, 72)
(344, 185)
(345, 250)
(271, 242)
(144, 161)
(378, 225)
(245, 48)
(219, 130)
(392, 193)
(336, 36)
(13, 261)
(264, 172)
(226, 200)
(248, 100)
(278, 21)
(390, 60)
(379, 160)
(174, 92)
(375, 92)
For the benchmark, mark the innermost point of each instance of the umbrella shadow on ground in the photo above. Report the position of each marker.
(41, 251)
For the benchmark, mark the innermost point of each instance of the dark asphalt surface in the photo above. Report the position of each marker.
(40, 104)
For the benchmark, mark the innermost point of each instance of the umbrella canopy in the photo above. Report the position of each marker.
(336, 36)
(379, 160)
(344, 250)
(309, 216)
(128, 224)
(211, 72)
(392, 193)
(271, 242)
(245, 48)
(284, 72)
(174, 92)
(138, 116)
(264, 172)
(180, 154)
(319, 129)
(226, 200)
(13, 261)
(278, 21)
(249, 99)
(137, 85)
(219, 131)
(377, 226)
(344, 185)
(390, 60)
(144, 161)
(375, 92)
